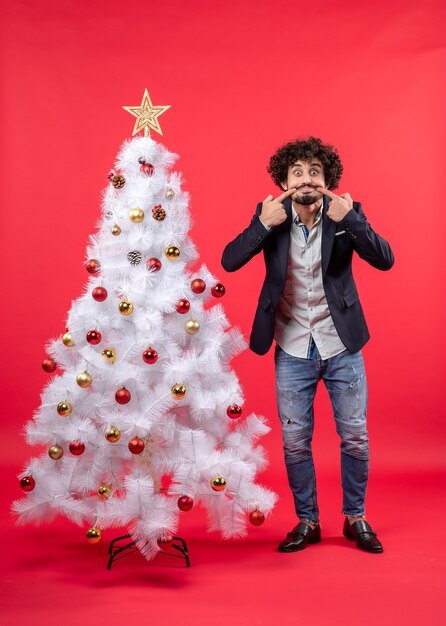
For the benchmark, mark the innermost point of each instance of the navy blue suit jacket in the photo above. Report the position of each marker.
(339, 285)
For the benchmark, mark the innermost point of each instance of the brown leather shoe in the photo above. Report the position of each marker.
(299, 537)
(361, 532)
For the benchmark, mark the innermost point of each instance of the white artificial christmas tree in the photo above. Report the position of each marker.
(145, 418)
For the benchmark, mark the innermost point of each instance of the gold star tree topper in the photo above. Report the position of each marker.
(147, 116)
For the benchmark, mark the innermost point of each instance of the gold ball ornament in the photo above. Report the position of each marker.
(104, 491)
(112, 434)
(218, 483)
(116, 230)
(67, 340)
(64, 408)
(109, 355)
(84, 379)
(136, 215)
(125, 307)
(169, 193)
(178, 391)
(55, 452)
(94, 535)
(172, 252)
(192, 327)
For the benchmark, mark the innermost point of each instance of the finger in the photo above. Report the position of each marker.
(346, 196)
(285, 194)
(327, 192)
(269, 198)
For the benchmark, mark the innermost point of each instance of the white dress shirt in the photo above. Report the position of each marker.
(303, 310)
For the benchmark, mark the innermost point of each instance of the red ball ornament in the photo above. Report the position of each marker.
(77, 448)
(183, 306)
(93, 266)
(49, 365)
(234, 411)
(256, 518)
(122, 396)
(218, 290)
(99, 294)
(153, 265)
(185, 503)
(165, 542)
(27, 483)
(198, 285)
(147, 168)
(136, 445)
(150, 356)
(94, 337)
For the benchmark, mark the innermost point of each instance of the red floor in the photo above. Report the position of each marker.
(50, 575)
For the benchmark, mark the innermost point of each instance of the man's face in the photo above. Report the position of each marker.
(305, 176)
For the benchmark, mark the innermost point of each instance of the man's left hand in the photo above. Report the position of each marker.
(339, 206)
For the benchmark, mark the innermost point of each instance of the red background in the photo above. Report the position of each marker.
(242, 78)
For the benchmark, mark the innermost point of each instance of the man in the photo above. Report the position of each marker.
(309, 304)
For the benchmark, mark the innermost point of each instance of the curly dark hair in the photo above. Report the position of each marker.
(305, 150)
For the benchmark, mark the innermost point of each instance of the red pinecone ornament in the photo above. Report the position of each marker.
(158, 213)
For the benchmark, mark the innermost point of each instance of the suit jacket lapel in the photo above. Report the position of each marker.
(328, 235)
(283, 239)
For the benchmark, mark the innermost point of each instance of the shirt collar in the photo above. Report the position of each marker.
(296, 218)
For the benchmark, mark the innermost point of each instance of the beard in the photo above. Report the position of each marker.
(308, 198)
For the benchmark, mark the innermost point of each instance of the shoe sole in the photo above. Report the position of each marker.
(317, 540)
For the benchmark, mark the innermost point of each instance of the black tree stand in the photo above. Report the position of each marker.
(119, 552)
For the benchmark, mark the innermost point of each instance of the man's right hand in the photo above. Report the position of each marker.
(273, 212)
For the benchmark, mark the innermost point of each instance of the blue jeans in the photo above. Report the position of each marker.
(345, 380)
